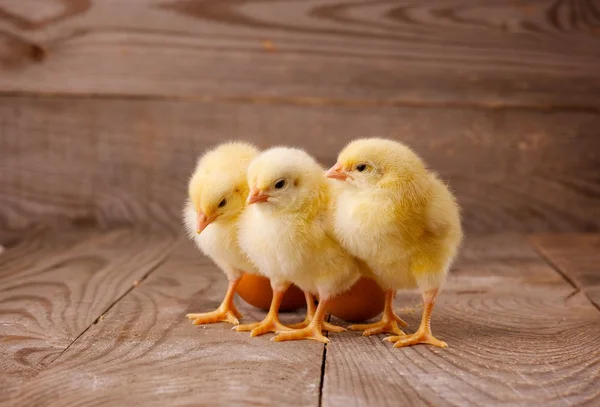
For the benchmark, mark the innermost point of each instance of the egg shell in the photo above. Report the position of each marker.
(256, 291)
(365, 300)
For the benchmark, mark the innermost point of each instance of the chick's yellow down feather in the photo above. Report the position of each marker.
(286, 232)
(399, 218)
(217, 193)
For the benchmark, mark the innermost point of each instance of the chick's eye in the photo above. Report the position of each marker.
(279, 184)
(223, 202)
(361, 167)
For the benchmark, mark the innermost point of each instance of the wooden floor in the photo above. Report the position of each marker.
(91, 317)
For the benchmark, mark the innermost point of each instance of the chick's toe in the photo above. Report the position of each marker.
(222, 314)
(227, 312)
(310, 332)
(380, 327)
(329, 327)
(419, 338)
(269, 324)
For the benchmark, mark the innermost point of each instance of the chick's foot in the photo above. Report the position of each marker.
(383, 326)
(227, 312)
(269, 324)
(416, 338)
(311, 310)
(389, 320)
(312, 332)
(221, 314)
(423, 334)
(326, 326)
(303, 324)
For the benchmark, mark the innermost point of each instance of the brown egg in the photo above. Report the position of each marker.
(256, 291)
(363, 301)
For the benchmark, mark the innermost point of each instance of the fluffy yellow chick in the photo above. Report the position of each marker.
(217, 197)
(286, 232)
(402, 221)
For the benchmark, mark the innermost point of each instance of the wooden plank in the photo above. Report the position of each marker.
(516, 333)
(145, 352)
(497, 53)
(577, 256)
(21, 259)
(115, 162)
(53, 289)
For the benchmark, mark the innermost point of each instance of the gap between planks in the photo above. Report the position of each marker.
(553, 266)
(93, 267)
(133, 287)
(575, 257)
(323, 364)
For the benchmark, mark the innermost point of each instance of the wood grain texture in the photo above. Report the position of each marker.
(113, 162)
(145, 352)
(534, 53)
(577, 256)
(518, 334)
(54, 287)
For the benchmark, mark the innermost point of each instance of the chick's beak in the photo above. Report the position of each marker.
(256, 196)
(204, 221)
(337, 172)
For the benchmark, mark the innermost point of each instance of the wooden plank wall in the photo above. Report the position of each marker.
(105, 104)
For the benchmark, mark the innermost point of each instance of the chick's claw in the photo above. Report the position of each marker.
(245, 327)
(333, 328)
(310, 332)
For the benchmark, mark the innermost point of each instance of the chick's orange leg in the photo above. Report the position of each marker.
(423, 334)
(271, 322)
(313, 331)
(227, 312)
(310, 313)
(389, 320)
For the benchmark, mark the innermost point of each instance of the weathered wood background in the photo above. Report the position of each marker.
(104, 105)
